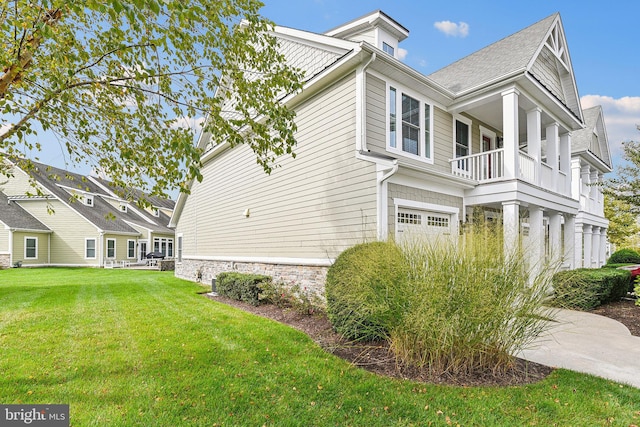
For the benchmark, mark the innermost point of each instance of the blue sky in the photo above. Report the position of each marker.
(602, 39)
(602, 36)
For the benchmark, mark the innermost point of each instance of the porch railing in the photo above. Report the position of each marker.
(483, 167)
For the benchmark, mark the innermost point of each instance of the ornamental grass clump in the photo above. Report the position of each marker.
(470, 307)
(453, 305)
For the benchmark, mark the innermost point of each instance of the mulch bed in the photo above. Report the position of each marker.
(377, 358)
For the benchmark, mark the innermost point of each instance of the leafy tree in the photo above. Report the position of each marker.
(623, 226)
(626, 185)
(113, 79)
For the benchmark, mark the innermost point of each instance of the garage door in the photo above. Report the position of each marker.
(415, 224)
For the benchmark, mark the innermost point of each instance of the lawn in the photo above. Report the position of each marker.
(144, 348)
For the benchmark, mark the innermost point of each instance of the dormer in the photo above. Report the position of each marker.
(376, 28)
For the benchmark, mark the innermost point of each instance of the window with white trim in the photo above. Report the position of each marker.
(438, 221)
(131, 249)
(30, 247)
(90, 248)
(409, 123)
(388, 48)
(409, 218)
(163, 245)
(111, 248)
(462, 138)
(88, 200)
(179, 248)
(123, 207)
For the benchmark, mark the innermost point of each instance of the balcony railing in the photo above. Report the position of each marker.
(482, 167)
(488, 166)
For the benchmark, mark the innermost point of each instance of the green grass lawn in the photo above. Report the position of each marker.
(143, 348)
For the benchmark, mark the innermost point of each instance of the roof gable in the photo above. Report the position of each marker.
(551, 66)
(593, 138)
(508, 56)
(14, 216)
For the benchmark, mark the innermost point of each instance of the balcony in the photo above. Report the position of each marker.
(489, 166)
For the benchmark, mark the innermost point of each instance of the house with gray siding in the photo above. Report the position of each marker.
(53, 217)
(385, 152)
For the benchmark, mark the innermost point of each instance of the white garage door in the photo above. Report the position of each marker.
(415, 224)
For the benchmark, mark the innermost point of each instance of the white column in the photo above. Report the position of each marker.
(552, 154)
(593, 189)
(534, 138)
(510, 132)
(578, 247)
(603, 246)
(555, 235)
(565, 161)
(536, 240)
(588, 243)
(511, 226)
(595, 247)
(576, 179)
(569, 240)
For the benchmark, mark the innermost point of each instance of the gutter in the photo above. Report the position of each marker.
(381, 197)
(361, 141)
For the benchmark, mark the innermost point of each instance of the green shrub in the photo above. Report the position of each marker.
(637, 290)
(241, 286)
(586, 289)
(624, 256)
(364, 290)
(292, 297)
(447, 306)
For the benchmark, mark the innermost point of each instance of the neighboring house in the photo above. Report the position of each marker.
(384, 151)
(77, 220)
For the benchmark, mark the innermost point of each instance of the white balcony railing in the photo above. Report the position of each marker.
(527, 167)
(483, 167)
(546, 176)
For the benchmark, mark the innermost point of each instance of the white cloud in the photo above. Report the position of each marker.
(402, 53)
(461, 29)
(620, 116)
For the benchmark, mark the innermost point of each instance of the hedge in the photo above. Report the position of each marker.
(241, 286)
(624, 256)
(586, 288)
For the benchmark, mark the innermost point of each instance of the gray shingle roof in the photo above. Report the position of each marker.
(583, 140)
(102, 214)
(14, 216)
(511, 54)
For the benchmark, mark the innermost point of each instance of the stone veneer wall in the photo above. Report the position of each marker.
(311, 279)
(5, 261)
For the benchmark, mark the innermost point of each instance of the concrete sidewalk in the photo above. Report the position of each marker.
(589, 343)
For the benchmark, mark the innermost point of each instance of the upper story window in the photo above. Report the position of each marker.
(409, 124)
(463, 138)
(88, 200)
(155, 212)
(388, 48)
(123, 207)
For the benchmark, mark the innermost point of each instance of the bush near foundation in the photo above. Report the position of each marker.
(241, 286)
(449, 305)
(624, 256)
(586, 288)
(365, 290)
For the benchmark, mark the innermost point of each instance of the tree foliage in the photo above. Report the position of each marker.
(113, 79)
(623, 225)
(626, 185)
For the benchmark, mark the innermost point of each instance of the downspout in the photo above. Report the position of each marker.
(10, 247)
(100, 246)
(361, 144)
(381, 196)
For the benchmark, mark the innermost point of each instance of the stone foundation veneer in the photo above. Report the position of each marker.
(5, 261)
(310, 278)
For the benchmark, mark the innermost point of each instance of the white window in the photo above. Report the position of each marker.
(155, 212)
(123, 207)
(163, 245)
(179, 249)
(30, 247)
(409, 124)
(462, 132)
(111, 248)
(131, 249)
(388, 48)
(88, 200)
(90, 248)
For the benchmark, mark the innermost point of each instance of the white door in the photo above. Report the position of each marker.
(414, 224)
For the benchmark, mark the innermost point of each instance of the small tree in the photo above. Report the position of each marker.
(626, 185)
(112, 80)
(623, 225)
